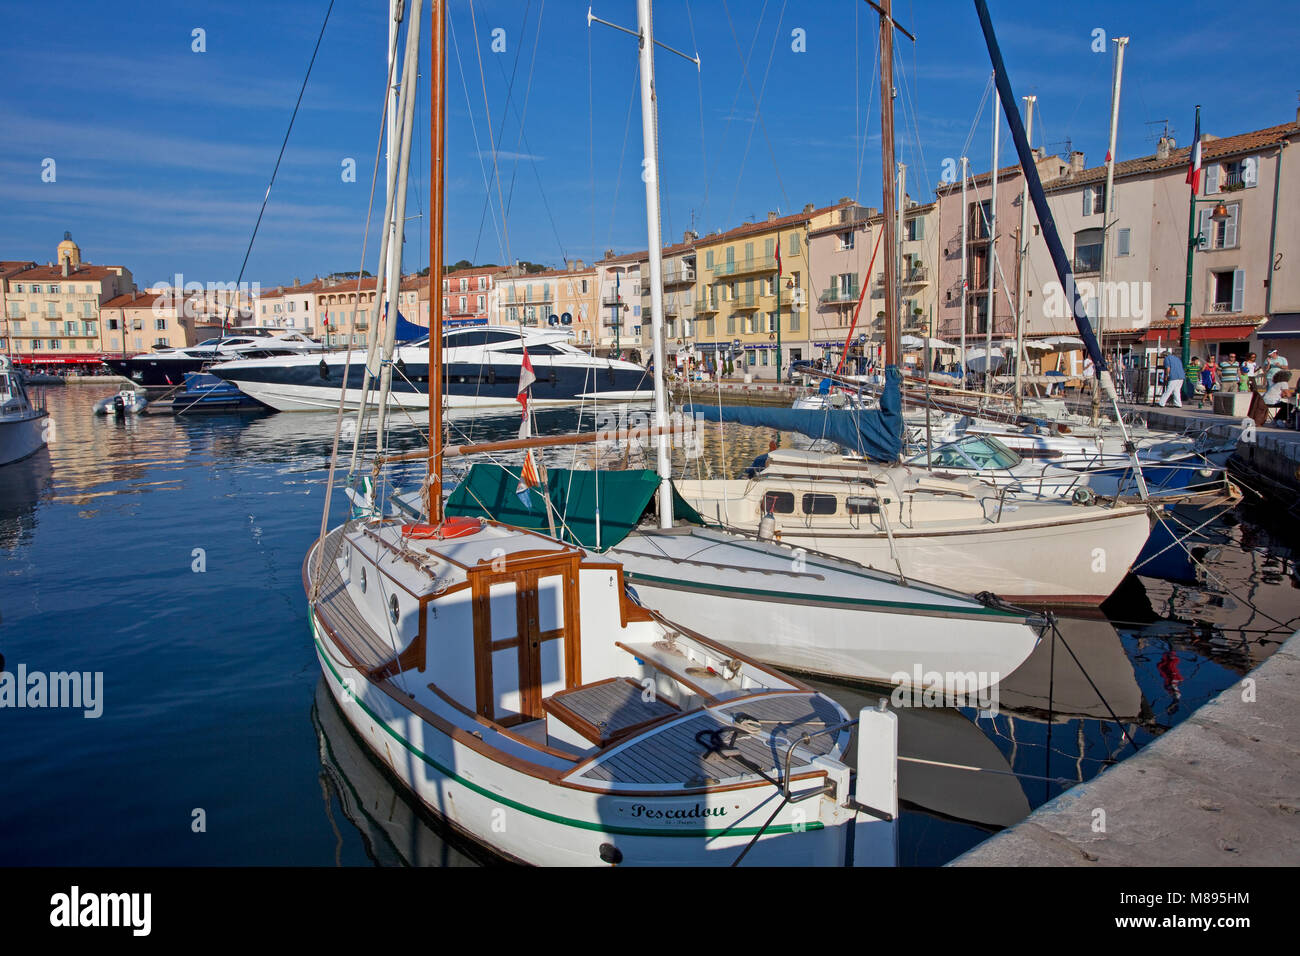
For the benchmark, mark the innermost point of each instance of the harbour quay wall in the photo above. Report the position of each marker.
(1220, 789)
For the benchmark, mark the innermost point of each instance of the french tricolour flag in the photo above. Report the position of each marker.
(1194, 167)
(528, 477)
(526, 379)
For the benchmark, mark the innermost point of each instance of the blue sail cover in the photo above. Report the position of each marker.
(408, 331)
(875, 433)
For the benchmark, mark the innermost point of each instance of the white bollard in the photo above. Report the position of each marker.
(875, 841)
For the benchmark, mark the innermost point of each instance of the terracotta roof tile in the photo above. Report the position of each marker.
(82, 274)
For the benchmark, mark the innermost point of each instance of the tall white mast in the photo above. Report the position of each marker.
(965, 279)
(395, 15)
(1107, 205)
(993, 246)
(1023, 250)
(650, 138)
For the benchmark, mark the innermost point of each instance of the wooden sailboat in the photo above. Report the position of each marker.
(513, 686)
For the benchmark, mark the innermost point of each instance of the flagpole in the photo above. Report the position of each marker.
(778, 307)
(1194, 179)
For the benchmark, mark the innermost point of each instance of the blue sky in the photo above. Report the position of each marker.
(162, 154)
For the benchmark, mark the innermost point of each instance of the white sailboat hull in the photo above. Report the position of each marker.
(1059, 563)
(21, 436)
(1030, 551)
(531, 820)
(828, 619)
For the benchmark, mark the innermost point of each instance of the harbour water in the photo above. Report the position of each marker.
(164, 554)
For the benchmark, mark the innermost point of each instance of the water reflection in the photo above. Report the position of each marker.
(394, 831)
(249, 489)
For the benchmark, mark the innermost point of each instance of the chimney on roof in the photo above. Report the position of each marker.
(296, 282)
(771, 216)
(609, 253)
(844, 201)
(808, 208)
(690, 236)
(1076, 161)
(1163, 146)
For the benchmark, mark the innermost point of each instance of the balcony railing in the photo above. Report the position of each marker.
(836, 294)
(743, 301)
(745, 266)
(1221, 307)
(610, 299)
(707, 306)
(679, 276)
(917, 275)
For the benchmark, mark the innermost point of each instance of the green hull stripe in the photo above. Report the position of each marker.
(900, 606)
(543, 814)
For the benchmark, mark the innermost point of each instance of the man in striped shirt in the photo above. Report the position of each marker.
(1229, 373)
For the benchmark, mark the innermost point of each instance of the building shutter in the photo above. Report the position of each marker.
(1238, 289)
(1203, 227)
(1230, 227)
(1124, 243)
(1211, 178)
(1087, 200)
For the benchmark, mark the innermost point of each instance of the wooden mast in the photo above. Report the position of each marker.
(892, 353)
(438, 126)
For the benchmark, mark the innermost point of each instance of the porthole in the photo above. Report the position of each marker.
(393, 611)
(363, 580)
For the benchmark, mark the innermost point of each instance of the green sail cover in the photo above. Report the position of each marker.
(489, 491)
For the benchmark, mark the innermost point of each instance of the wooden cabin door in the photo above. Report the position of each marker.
(525, 637)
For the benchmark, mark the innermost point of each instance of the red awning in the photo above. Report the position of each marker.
(93, 358)
(1209, 333)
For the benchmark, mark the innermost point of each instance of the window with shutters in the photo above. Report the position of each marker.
(792, 244)
(731, 325)
(846, 240)
(1227, 290)
(978, 220)
(1220, 235)
(1239, 174)
(915, 228)
(1094, 200)
(1123, 244)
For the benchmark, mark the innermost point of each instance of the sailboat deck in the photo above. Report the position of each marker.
(707, 748)
(345, 620)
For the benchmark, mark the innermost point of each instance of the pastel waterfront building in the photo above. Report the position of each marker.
(546, 298)
(621, 310)
(1240, 273)
(52, 311)
(742, 292)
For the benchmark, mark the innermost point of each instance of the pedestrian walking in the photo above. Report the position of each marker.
(1174, 378)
